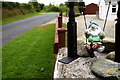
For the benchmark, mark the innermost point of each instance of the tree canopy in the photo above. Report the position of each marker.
(33, 1)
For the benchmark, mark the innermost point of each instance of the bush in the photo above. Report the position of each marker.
(11, 9)
(25, 6)
(54, 9)
(51, 8)
(63, 7)
(10, 5)
(37, 6)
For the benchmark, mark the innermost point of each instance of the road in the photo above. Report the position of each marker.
(13, 30)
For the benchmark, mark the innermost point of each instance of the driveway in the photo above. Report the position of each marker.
(13, 30)
(109, 29)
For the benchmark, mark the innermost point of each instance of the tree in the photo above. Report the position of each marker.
(61, 4)
(37, 6)
(63, 7)
(54, 9)
(10, 5)
(81, 6)
(33, 1)
(67, 4)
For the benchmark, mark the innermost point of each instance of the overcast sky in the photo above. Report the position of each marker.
(56, 2)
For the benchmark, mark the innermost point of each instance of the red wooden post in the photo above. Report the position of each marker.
(61, 35)
(56, 44)
(56, 41)
(67, 13)
(60, 14)
(59, 21)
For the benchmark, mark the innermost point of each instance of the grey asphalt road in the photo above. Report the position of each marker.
(12, 30)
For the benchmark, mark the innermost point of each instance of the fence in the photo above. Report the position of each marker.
(59, 36)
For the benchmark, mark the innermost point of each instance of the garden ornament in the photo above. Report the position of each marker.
(94, 35)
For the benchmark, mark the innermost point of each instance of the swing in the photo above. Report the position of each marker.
(100, 47)
(94, 35)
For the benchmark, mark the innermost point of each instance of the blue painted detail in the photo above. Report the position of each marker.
(91, 23)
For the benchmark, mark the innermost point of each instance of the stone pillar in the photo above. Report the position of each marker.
(117, 36)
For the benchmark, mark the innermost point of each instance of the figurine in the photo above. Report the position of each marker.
(94, 35)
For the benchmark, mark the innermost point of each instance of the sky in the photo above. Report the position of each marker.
(55, 2)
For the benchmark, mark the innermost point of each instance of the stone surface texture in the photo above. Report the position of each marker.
(111, 56)
(83, 66)
(81, 50)
(106, 68)
(76, 69)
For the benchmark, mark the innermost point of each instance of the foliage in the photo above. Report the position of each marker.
(81, 7)
(67, 4)
(51, 8)
(78, 6)
(30, 55)
(25, 6)
(10, 5)
(37, 6)
(11, 9)
(63, 7)
(33, 0)
(54, 9)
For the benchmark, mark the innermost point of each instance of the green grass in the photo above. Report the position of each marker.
(20, 17)
(30, 55)
(50, 12)
(64, 15)
(65, 26)
(67, 15)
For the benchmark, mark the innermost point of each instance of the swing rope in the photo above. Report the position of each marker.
(85, 19)
(106, 16)
(105, 19)
(85, 22)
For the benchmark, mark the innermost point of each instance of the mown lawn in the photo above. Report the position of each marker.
(67, 15)
(20, 17)
(30, 55)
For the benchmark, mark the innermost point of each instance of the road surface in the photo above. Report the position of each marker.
(12, 30)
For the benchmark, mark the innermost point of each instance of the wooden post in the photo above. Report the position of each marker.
(56, 41)
(60, 14)
(117, 36)
(66, 13)
(59, 21)
(61, 35)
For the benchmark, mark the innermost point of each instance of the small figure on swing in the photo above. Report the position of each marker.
(94, 36)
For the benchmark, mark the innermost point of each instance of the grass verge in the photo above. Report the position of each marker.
(76, 14)
(65, 26)
(30, 55)
(20, 17)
